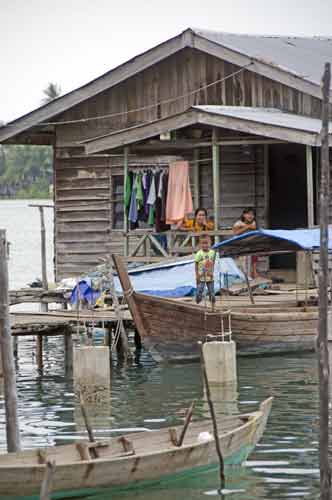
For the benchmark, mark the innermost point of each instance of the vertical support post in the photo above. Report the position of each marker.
(44, 307)
(68, 341)
(39, 352)
(266, 185)
(6, 347)
(310, 187)
(322, 342)
(196, 177)
(125, 218)
(216, 179)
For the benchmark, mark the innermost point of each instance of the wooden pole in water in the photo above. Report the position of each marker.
(322, 342)
(6, 347)
(46, 486)
(213, 418)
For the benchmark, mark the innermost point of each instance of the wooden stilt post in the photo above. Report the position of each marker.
(125, 219)
(196, 177)
(216, 179)
(323, 354)
(68, 341)
(6, 347)
(310, 188)
(39, 352)
(213, 418)
(46, 486)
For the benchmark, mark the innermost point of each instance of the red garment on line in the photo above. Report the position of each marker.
(179, 200)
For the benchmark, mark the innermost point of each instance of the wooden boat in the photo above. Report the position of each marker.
(170, 329)
(127, 460)
(266, 330)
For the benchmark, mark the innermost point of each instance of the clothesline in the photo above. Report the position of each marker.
(144, 165)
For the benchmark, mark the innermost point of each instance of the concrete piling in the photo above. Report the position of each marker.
(220, 361)
(92, 374)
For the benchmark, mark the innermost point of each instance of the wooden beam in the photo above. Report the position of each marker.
(323, 323)
(216, 178)
(266, 186)
(310, 187)
(196, 177)
(6, 347)
(125, 218)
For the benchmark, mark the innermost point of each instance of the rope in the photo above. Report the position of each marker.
(149, 106)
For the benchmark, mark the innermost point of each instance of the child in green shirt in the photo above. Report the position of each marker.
(204, 267)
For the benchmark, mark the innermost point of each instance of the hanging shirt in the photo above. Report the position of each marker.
(127, 191)
(179, 199)
(139, 191)
(160, 185)
(152, 193)
(133, 212)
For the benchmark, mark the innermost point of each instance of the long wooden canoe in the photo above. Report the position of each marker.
(170, 329)
(127, 460)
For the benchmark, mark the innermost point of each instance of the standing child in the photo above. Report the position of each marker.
(204, 267)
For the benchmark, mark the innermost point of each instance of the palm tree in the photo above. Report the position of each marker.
(51, 92)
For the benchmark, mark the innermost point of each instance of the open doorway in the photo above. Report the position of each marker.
(288, 194)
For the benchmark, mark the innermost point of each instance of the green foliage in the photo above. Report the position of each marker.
(51, 92)
(25, 171)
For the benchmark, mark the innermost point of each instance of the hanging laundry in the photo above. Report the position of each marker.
(146, 189)
(151, 215)
(179, 200)
(160, 185)
(152, 193)
(127, 192)
(133, 211)
(139, 191)
(164, 197)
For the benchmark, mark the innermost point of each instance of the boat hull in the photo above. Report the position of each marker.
(23, 481)
(172, 329)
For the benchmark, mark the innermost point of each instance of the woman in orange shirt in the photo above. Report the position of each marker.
(198, 224)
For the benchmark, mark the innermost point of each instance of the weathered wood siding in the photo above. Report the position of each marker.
(175, 76)
(242, 183)
(82, 214)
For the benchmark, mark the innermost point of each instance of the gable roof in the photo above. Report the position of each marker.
(301, 56)
(264, 122)
(293, 61)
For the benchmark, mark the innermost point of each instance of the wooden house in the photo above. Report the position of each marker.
(243, 110)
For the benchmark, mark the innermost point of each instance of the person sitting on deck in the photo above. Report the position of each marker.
(204, 268)
(246, 223)
(198, 224)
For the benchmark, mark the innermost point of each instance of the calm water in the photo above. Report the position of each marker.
(145, 395)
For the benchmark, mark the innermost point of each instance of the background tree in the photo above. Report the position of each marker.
(51, 92)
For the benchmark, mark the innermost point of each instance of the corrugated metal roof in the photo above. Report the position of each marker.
(268, 116)
(304, 57)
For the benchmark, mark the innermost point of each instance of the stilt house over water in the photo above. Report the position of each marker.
(243, 110)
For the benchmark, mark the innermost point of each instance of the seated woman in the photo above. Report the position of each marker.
(198, 224)
(246, 223)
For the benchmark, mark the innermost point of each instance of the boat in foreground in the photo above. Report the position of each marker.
(136, 457)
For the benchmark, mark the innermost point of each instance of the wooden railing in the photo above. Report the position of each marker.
(147, 245)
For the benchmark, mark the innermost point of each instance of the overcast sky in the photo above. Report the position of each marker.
(73, 41)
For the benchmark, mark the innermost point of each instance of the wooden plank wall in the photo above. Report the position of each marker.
(241, 183)
(82, 214)
(177, 75)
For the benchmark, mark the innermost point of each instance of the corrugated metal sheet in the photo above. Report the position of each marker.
(304, 57)
(268, 116)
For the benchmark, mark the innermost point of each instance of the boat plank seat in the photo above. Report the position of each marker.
(127, 444)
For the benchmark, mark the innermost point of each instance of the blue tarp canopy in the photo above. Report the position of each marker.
(177, 279)
(270, 241)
